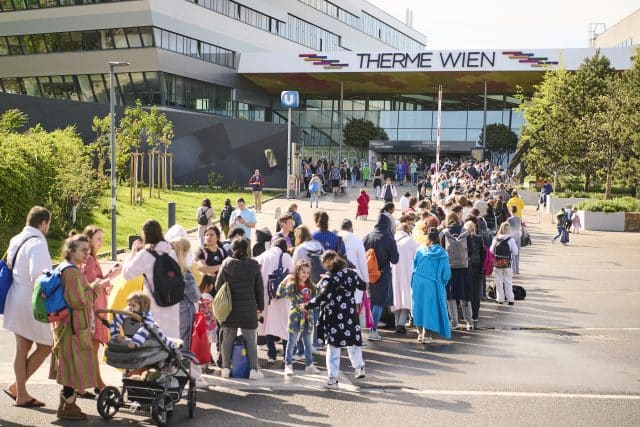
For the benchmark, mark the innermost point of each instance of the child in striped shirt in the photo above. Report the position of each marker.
(140, 304)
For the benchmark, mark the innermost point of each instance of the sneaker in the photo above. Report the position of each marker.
(288, 370)
(401, 330)
(420, 337)
(256, 374)
(200, 383)
(427, 340)
(469, 326)
(271, 360)
(311, 369)
(298, 357)
(225, 373)
(374, 336)
(511, 303)
(359, 373)
(332, 385)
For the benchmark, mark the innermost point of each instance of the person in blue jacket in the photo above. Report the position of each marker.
(431, 272)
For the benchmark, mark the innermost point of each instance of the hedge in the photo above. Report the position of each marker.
(622, 204)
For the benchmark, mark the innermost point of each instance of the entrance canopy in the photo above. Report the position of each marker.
(379, 73)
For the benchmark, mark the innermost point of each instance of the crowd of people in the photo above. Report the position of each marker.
(426, 259)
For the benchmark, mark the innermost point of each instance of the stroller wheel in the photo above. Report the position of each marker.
(191, 402)
(109, 402)
(162, 409)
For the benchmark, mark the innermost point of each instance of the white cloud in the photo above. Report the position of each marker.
(495, 24)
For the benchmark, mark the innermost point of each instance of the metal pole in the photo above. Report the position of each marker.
(288, 150)
(340, 137)
(112, 115)
(438, 131)
(484, 121)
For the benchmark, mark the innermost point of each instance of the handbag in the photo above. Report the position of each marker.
(239, 359)
(366, 318)
(525, 240)
(222, 304)
(200, 345)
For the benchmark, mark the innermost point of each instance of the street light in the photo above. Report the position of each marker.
(112, 115)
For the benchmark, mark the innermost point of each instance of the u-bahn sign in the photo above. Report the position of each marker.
(420, 146)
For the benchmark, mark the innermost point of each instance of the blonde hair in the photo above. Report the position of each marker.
(504, 228)
(470, 226)
(182, 247)
(142, 299)
(301, 234)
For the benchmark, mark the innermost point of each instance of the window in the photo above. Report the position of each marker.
(146, 33)
(85, 88)
(27, 47)
(91, 40)
(14, 45)
(119, 38)
(31, 85)
(133, 36)
(4, 46)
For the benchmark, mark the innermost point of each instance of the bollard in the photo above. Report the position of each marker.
(171, 214)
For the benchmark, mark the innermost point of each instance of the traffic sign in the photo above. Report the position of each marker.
(290, 99)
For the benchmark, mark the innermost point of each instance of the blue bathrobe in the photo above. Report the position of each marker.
(431, 273)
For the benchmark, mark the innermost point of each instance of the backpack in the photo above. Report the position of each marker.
(489, 262)
(222, 304)
(225, 215)
(47, 301)
(525, 240)
(202, 217)
(313, 188)
(388, 193)
(239, 360)
(372, 265)
(519, 293)
(316, 266)
(502, 252)
(168, 282)
(275, 278)
(456, 246)
(6, 275)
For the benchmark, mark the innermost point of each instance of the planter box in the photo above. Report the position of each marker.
(530, 197)
(602, 221)
(554, 204)
(632, 221)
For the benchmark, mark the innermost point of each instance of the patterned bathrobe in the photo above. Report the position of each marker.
(338, 324)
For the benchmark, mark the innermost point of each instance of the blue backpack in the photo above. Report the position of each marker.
(239, 360)
(275, 278)
(313, 188)
(6, 275)
(48, 301)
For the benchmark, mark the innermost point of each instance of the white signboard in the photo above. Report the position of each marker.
(429, 60)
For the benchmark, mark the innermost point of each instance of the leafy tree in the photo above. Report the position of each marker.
(100, 148)
(501, 141)
(12, 120)
(358, 132)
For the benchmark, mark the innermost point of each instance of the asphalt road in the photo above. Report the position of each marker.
(567, 355)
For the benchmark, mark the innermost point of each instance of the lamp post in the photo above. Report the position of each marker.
(112, 115)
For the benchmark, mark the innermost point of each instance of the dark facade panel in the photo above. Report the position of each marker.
(234, 147)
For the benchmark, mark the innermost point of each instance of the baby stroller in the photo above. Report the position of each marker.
(157, 393)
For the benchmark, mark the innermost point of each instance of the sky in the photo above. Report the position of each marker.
(498, 24)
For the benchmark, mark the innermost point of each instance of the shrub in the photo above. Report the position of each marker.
(622, 204)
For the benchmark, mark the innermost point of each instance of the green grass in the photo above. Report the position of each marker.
(130, 218)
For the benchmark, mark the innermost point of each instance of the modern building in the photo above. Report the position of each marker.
(624, 33)
(217, 68)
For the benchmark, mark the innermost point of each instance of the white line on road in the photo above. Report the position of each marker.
(524, 394)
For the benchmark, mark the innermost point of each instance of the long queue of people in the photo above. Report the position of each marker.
(422, 265)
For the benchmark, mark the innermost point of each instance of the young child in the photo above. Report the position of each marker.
(339, 325)
(140, 304)
(575, 221)
(363, 205)
(298, 288)
(206, 308)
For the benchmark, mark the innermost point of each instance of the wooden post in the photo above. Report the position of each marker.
(159, 157)
(150, 153)
(131, 175)
(170, 171)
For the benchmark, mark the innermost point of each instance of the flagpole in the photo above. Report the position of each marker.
(438, 131)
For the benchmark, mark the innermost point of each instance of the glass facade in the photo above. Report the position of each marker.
(369, 25)
(115, 38)
(405, 117)
(295, 29)
(11, 5)
(150, 87)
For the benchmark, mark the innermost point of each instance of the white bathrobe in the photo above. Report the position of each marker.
(402, 271)
(276, 313)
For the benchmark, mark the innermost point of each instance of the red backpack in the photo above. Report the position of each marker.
(489, 262)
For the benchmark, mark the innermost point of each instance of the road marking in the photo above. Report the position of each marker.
(524, 394)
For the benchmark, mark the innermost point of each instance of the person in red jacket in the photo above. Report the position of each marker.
(256, 182)
(363, 205)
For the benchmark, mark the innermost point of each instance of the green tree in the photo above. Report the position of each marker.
(12, 120)
(100, 148)
(358, 132)
(501, 141)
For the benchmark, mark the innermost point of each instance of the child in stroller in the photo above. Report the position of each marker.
(156, 370)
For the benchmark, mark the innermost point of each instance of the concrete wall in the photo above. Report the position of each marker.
(602, 221)
(233, 147)
(554, 204)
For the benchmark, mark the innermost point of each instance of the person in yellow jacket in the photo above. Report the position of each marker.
(516, 201)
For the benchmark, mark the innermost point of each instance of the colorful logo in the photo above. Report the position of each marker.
(322, 60)
(530, 58)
